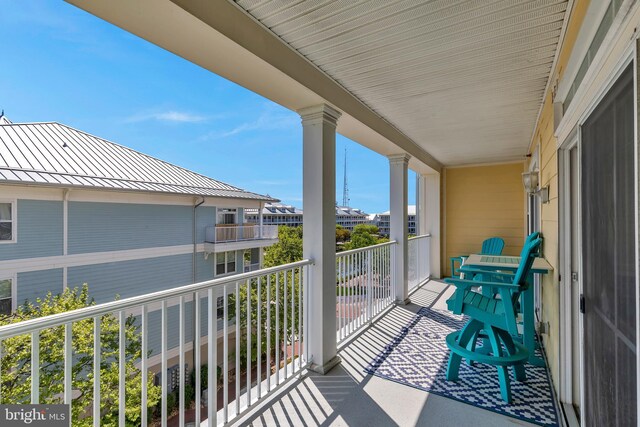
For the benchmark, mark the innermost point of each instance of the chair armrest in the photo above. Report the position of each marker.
(464, 283)
(471, 270)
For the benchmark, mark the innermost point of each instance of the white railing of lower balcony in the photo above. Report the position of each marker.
(236, 233)
(263, 345)
(364, 286)
(418, 253)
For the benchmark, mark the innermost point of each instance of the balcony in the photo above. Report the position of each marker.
(275, 386)
(220, 238)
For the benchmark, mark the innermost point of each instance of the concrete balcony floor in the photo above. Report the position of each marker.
(348, 396)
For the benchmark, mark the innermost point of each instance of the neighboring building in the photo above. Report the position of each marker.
(275, 214)
(383, 219)
(350, 217)
(75, 208)
(281, 214)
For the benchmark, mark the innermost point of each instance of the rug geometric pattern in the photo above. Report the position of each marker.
(418, 357)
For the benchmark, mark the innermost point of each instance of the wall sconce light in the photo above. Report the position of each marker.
(530, 182)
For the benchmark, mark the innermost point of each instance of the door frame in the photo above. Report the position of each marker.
(565, 255)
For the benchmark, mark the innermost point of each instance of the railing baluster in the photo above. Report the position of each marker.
(352, 270)
(369, 286)
(284, 328)
(181, 367)
(307, 285)
(237, 348)
(340, 298)
(225, 354)
(96, 371)
(293, 323)
(248, 342)
(163, 344)
(212, 362)
(35, 367)
(121, 368)
(259, 336)
(68, 361)
(143, 365)
(277, 335)
(268, 332)
(196, 349)
(300, 281)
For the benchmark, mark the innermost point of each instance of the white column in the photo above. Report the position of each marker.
(319, 225)
(429, 213)
(398, 199)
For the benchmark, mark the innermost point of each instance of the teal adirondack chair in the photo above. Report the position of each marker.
(491, 246)
(491, 318)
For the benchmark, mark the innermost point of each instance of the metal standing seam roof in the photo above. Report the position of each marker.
(275, 209)
(59, 155)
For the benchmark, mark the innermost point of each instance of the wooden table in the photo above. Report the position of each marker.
(511, 263)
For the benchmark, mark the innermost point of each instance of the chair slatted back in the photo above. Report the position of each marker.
(528, 255)
(530, 238)
(492, 246)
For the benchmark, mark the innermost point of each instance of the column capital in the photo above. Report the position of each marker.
(399, 158)
(317, 114)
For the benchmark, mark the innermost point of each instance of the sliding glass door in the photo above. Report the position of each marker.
(608, 249)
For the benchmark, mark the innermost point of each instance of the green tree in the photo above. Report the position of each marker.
(364, 235)
(15, 363)
(342, 234)
(287, 250)
(272, 296)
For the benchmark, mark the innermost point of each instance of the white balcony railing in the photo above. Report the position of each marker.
(237, 233)
(258, 321)
(364, 286)
(418, 253)
(267, 330)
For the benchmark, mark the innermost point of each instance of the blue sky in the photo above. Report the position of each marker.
(62, 64)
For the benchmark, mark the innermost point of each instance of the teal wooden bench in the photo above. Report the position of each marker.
(492, 320)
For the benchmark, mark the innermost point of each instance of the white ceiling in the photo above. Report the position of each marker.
(462, 78)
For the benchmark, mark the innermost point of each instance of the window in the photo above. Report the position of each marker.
(227, 216)
(7, 222)
(225, 263)
(6, 297)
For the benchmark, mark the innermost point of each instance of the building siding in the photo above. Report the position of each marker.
(205, 217)
(100, 227)
(131, 278)
(36, 284)
(483, 202)
(39, 230)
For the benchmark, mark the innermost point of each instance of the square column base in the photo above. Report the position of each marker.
(326, 367)
(403, 302)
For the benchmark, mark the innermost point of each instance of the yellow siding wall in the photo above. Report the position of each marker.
(546, 142)
(482, 202)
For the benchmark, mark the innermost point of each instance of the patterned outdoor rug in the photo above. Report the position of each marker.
(418, 357)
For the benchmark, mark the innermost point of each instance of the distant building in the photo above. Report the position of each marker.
(350, 217)
(383, 221)
(275, 214)
(281, 214)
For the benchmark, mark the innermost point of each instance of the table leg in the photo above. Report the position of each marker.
(529, 325)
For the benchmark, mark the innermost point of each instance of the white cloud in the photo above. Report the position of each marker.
(268, 120)
(168, 116)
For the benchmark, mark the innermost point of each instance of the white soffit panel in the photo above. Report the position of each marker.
(464, 79)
